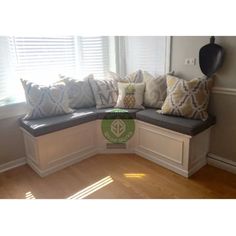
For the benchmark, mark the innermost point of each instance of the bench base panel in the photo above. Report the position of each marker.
(68, 161)
(180, 153)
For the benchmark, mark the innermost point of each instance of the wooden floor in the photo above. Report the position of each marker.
(116, 176)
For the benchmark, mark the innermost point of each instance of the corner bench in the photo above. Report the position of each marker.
(178, 144)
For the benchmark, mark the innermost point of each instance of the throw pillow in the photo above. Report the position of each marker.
(130, 95)
(105, 92)
(45, 101)
(187, 98)
(80, 93)
(155, 90)
(136, 77)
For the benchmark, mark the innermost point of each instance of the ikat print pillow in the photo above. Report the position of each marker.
(45, 101)
(79, 92)
(187, 98)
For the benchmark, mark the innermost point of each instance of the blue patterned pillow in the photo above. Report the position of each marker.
(45, 101)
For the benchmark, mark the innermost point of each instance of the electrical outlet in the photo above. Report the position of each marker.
(190, 61)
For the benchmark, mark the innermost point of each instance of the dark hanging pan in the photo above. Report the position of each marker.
(211, 57)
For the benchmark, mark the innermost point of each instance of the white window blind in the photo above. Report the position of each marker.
(94, 55)
(41, 59)
(43, 55)
(146, 53)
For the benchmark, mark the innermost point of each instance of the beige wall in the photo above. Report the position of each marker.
(223, 140)
(11, 140)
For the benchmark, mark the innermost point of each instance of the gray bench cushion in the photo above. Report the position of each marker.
(52, 124)
(178, 124)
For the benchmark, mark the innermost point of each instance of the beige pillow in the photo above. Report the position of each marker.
(155, 90)
(130, 95)
(136, 77)
(187, 98)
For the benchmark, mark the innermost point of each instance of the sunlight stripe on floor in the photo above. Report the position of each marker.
(29, 195)
(92, 188)
(134, 175)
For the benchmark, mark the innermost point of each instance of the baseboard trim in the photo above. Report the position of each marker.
(115, 151)
(197, 167)
(12, 164)
(221, 163)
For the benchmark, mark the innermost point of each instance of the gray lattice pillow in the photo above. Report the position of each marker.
(45, 101)
(79, 92)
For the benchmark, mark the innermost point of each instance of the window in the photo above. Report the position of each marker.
(94, 55)
(148, 53)
(41, 59)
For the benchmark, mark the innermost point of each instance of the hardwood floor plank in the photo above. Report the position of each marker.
(119, 176)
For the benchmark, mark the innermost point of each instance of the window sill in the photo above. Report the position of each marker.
(12, 110)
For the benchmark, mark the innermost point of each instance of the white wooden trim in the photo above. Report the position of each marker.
(120, 55)
(115, 151)
(221, 163)
(161, 162)
(225, 91)
(169, 137)
(12, 164)
(168, 54)
(181, 153)
(151, 126)
(194, 149)
(66, 161)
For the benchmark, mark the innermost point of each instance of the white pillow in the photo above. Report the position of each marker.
(45, 101)
(130, 95)
(155, 90)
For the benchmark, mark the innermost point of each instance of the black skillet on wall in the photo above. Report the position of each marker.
(211, 57)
